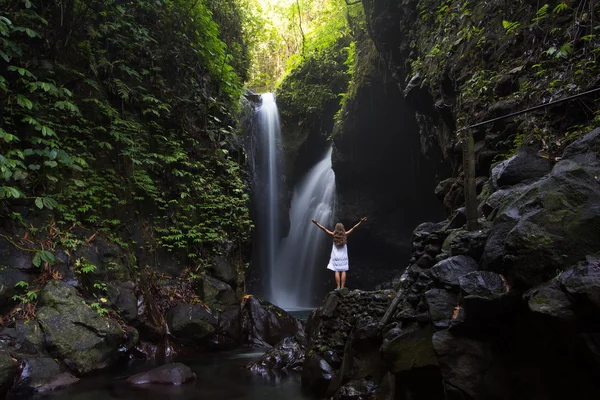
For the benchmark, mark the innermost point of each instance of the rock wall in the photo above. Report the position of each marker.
(507, 312)
(463, 62)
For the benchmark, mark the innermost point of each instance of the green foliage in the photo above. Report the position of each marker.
(510, 27)
(28, 296)
(120, 111)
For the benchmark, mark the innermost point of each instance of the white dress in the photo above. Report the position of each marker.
(338, 261)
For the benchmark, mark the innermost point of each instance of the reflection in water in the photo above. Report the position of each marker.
(219, 376)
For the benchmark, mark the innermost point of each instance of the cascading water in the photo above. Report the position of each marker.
(267, 203)
(292, 280)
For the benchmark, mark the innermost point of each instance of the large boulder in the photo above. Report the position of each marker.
(25, 337)
(550, 301)
(76, 333)
(522, 167)
(264, 324)
(555, 224)
(123, 299)
(191, 322)
(441, 304)
(170, 374)
(447, 272)
(583, 281)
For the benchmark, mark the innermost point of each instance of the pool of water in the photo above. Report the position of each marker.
(219, 376)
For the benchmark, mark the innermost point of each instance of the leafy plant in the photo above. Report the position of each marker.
(510, 27)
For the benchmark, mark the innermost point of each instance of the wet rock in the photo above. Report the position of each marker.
(170, 374)
(549, 300)
(483, 284)
(8, 370)
(191, 322)
(361, 389)
(287, 355)
(316, 374)
(331, 303)
(36, 373)
(458, 220)
(123, 299)
(441, 304)
(76, 333)
(9, 277)
(557, 223)
(60, 381)
(584, 151)
(26, 337)
(224, 270)
(447, 272)
(229, 332)
(410, 348)
(583, 280)
(485, 298)
(266, 324)
(464, 364)
(218, 295)
(13, 257)
(468, 243)
(522, 167)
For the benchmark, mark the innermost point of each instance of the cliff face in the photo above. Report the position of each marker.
(381, 171)
(462, 62)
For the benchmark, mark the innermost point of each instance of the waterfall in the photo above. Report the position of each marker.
(268, 185)
(292, 281)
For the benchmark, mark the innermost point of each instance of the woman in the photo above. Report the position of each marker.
(338, 261)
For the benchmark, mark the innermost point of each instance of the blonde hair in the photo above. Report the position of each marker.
(339, 235)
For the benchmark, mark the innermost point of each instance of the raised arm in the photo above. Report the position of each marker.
(363, 219)
(314, 221)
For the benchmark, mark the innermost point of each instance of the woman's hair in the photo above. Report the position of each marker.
(339, 235)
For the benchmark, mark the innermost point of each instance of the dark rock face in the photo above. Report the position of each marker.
(76, 333)
(218, 295)
(191, 322)
(170, 374)
(264, 324)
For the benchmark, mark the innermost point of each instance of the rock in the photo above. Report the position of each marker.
(76, 333)
(483, 284)
(9, 277)
(60, 381)
(522, 167)
(468, 243)
(170, 374)
(13, 257)
(229, 332)
(26, 337)
(458, 220)
(191, 322)
(8, 370)
(356, 390)
(584, 280)
(557, 224)
(110, 260)
(447, 272)
(549, 300)
(387, 388)
(331, 303)
(287, 355)
(218, 295)
(266, 324)
(123, 299)
(464, 363)
(441, 304)
(36, 373)
(225, 271)
(316, 374)
(584, 151)
(410, 348)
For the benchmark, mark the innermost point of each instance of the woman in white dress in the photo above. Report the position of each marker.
(338, 261)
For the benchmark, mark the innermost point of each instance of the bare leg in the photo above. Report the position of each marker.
(337, 279)
(343, 278)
